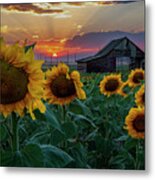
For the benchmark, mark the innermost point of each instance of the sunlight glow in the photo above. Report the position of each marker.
(55, 55)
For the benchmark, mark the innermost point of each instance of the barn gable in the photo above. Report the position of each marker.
(106, 59)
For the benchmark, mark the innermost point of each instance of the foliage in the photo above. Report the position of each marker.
(83, 134)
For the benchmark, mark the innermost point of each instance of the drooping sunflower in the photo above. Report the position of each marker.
(135, 77)
(140, 96)
(111, 84)
(21, 80)
(135, 123)
(123, 87)
(62, 86)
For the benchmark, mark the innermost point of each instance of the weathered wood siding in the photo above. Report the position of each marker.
(105, 61)
(102, 65)
(82, 67)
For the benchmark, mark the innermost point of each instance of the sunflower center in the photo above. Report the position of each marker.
(139, 123)
(138, 77)
(13, 83)
(143, 98)
(111, 85)
(62, 87)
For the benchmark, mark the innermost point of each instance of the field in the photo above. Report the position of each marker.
(84, 134)
(52, 114)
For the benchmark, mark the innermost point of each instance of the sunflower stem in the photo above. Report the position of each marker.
(64, 120)
(63, 113)
(15, 137)
(137, 163)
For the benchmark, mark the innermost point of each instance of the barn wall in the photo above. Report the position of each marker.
(102, 65)
(82, 67)
(95, 66)
(108, 63)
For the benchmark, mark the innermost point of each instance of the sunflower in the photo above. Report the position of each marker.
(135, 77)
(135, 123)
(140, 96)
(110, 84)
(61, 86)
(21, 80)
(123, 88)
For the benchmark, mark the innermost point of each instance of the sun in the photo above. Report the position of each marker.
(55, 55)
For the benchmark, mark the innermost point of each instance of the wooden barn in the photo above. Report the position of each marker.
(119, 54)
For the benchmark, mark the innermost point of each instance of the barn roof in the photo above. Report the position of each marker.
(109, 47)
(106, 50)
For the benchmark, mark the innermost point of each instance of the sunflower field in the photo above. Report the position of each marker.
(63, 119)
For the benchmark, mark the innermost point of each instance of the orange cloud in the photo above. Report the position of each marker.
(48, 48)
(29, 7)
(76, 3)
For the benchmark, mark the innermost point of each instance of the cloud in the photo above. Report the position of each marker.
(56, 7)
(75, 3)
(94, 2)
(102, 2)
(63, 15)
(4, 29)
(29, 7)
(116, 2)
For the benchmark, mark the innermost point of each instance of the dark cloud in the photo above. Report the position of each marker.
(75, 3)
(69, 3)
(100, 39)
(103, 2)
(95, 2)
(29, 7)
(117, 2)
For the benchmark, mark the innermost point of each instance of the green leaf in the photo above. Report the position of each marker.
(69, 129)
(78, 107)
(3, 133)
(91, 135)
(39, 116)
(122, 159)
(6, 158)
(51, 118)
(79, 153)
(32, 156)
(1, 117)
(130, 144)
(82, 118)
(104, 145)
(117, 160)
(40, 137)
(56, 137)
(73, 107)
(55, 157)
(18, 159)
(122, 138)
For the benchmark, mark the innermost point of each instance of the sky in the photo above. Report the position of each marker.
(73, 29)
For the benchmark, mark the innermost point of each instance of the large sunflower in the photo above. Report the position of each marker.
(110, 84)
(135, 123)
(21, 80)
(135, 77)
(61, 86)
(140, 96)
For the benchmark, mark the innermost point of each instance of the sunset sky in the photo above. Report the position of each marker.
(76, 28)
